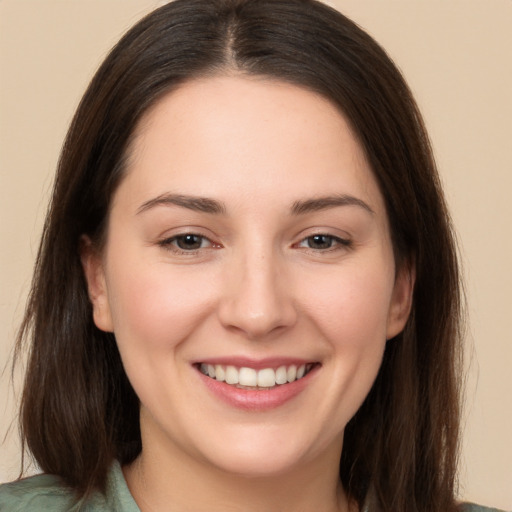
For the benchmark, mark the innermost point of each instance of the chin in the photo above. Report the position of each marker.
(254, 465)
(274, 452)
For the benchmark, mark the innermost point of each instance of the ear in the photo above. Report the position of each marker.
(401, 300)
(92, 264)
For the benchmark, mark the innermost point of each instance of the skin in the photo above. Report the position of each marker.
(258, 286)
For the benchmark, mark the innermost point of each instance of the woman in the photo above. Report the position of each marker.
(246, 296)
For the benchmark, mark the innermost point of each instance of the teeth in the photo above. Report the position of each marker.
(251, 378)
(220, 373)
(266, 378)
(281, 375)
(247, 377)
(231, 375)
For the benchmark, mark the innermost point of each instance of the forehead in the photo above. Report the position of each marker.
(247, 137)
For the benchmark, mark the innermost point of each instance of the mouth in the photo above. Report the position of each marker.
(256, 379)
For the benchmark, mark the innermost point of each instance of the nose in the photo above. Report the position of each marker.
(257, 301)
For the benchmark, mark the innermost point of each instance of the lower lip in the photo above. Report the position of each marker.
(257, 400)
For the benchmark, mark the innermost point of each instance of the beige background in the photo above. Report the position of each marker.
(457, 56)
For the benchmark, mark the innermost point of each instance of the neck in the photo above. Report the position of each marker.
(162, 480)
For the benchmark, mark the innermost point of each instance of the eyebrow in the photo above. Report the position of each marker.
(324, 203)
(212, 206)
(198, 204)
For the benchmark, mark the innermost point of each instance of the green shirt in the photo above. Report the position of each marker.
(46, 493)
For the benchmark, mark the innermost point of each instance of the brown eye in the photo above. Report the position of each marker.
(323, 242)
(320, 242)
(189, 242)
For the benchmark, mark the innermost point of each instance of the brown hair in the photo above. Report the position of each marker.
(79, 411)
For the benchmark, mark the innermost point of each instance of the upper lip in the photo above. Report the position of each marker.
(257, 364)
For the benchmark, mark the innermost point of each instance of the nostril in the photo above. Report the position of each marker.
(254, 322)
(255, 300)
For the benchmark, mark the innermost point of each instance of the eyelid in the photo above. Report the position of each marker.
(340, 243)
(168, 243)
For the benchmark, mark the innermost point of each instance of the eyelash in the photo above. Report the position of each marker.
(336, 243)
(171, 244)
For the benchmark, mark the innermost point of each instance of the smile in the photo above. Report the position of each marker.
(257, 386)
(254, 379)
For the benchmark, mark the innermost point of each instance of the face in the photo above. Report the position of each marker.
(248, 275)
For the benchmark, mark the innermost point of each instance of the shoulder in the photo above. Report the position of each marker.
(469, 507)
(41, 492)
(48, 492)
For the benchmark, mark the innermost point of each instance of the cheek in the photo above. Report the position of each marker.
(351, 315)
(155, 306)
(351, 307)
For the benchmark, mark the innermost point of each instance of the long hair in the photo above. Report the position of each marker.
(79, 411)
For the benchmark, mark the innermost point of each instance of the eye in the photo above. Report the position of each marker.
(187, 242)
(323, 242)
